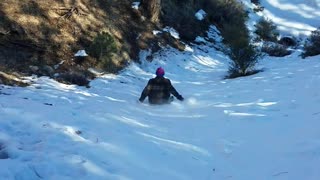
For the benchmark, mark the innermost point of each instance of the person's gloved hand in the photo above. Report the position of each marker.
(180, 98)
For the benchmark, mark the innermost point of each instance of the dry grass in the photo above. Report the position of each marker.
(47, 32)
(11, 80)
(59, 31)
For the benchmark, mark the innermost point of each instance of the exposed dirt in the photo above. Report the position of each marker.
(41, 37)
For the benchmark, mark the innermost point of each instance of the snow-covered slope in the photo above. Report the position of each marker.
(259, 127)
(292, 17)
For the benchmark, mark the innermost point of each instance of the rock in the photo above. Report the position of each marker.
(34, 69)
(3, 152)
(287, 41)
(47, 70)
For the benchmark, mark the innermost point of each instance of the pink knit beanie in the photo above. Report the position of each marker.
(160, 71)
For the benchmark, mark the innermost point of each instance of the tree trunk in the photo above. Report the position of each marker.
(152, 9)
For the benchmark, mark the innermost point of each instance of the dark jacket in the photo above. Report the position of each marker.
(158, 91)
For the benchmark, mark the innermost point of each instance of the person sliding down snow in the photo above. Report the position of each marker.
(158, 90)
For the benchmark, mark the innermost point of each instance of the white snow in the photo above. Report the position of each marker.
(200, 15)
(259, 127)
(135, 5)
(263, 126)
(156, 32)
(200, 39)
(81, 53)
(214, 33)
(172, 32)
(294, 17)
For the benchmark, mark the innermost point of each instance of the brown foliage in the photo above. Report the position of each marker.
(42, 33)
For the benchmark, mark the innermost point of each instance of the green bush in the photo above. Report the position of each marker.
(266, 30)
(312, 45)
(230, 17)
(221, 11)
(242, 53)
(102, 48)
(189, 27)
(243, 60)
(235, 34)
(181, 16)
(274, 49)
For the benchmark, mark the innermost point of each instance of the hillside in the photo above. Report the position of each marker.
(44, 31)
(36, 36)
(42, 37)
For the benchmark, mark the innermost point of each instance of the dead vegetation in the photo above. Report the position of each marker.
(45, 33)
(11, 80)
(68, 12)
(41, 37)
